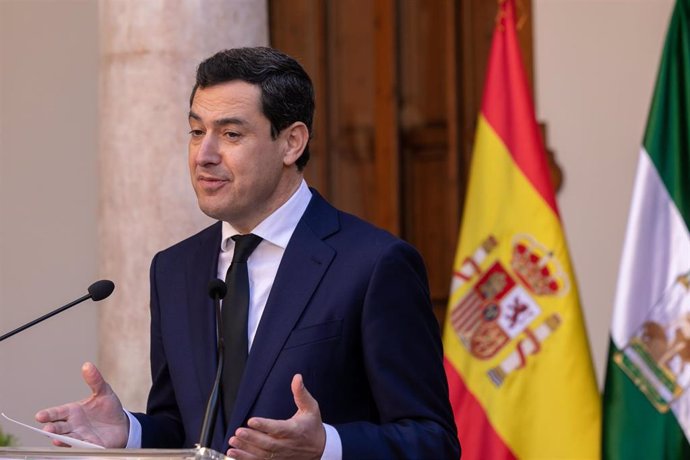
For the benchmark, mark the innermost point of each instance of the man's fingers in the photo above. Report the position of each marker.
(52, 414)
(276, 428)
(58, 427)
(93, 378)
(253, 442)
(96, 383)
(301, 436)
(303, 399)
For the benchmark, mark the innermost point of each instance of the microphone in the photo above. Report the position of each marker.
(217, 289)
(97, 291)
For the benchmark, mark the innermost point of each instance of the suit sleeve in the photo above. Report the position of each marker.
(161, 425)
(404, 363)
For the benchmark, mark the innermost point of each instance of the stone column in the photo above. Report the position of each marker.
(149, 53)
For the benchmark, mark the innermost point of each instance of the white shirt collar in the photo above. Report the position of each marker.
(278, 227)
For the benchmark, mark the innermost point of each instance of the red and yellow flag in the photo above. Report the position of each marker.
(519, 367)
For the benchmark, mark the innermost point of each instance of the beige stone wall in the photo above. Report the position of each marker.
(596, 63)
(48, 201)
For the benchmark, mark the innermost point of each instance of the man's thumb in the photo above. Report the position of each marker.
(93, 378)
(303, 399)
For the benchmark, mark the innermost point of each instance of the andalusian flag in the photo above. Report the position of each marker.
(518, 363)
(646, 400)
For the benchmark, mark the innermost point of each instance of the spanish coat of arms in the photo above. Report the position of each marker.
(501, 309)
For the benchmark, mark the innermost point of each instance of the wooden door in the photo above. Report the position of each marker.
(398, 85)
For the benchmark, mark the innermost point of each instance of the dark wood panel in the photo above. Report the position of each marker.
(351, 58)
(298, 27)
(387, 209)
(399, 86)
(427, 49)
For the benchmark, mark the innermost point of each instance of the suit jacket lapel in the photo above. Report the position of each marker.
(304, 263)
(202, 267)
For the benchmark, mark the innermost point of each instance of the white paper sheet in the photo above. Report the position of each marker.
(64, 439)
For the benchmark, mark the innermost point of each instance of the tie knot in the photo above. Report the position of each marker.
(244, 246)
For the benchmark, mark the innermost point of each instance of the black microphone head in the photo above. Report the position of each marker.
(217, 289)
(101, 289)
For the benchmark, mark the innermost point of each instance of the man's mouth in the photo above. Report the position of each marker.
(211, 183)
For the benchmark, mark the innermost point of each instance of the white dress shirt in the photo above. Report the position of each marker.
(262, 266)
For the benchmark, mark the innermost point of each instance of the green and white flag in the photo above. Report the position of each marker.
(647, 392)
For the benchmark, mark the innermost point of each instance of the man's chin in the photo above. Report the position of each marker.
(214, 212)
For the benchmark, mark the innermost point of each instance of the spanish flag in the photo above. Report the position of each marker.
(518, 363)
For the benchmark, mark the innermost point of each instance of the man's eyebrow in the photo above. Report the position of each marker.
(221, 121)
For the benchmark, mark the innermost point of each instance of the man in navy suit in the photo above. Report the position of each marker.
(344, 354)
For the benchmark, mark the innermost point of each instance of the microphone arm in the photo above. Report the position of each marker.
(217, 289)
(97, 291)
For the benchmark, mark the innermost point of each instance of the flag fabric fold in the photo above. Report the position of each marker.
(519, 367)
(646, 402)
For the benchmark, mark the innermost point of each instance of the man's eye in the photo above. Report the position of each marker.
(196, 133)
(232, 135)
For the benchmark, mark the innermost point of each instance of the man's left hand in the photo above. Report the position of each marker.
(300, 437)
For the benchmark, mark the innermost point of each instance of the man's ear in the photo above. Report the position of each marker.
(296, 137)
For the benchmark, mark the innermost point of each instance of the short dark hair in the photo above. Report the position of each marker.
(287, 93)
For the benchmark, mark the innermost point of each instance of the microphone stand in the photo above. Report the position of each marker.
(44, 317)
(97, 291)
(217, 293)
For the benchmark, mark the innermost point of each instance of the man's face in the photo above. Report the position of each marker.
(238, 171)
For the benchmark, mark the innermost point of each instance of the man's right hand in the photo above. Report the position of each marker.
(98, 419)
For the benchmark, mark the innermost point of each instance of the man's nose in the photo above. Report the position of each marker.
(208, 151)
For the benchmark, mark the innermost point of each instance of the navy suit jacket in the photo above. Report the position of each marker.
(349, 310)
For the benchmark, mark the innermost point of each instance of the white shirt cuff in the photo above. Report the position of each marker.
(334, 447)
(134, 438)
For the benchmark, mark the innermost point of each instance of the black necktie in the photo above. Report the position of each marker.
(235, 313)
